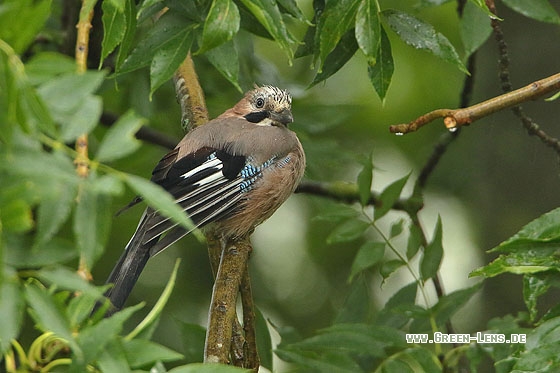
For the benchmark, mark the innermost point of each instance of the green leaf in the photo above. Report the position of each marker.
(192, 338)
(83, 119)
(45, 66)
(309, 361)
(292, 8)
(362, 339)
(433, 253)
(389, 196)
(67, 279)
(381, 73)
(80, 306)
(397, 228)
(348, 231)
(414, 241)
(93, 339)
(395, 313)
(519, 264)
(541, 10)
(117, 4)
(310, 42)
(65, 96)
(48, 170)
(114, 27)
(67, 91)
(22, 20)
(92, 220)
(365, 178)
(49, 315)
(140, 352)
(416, 359)
(368, 30)
(336, 20)
(168, 58)
(159, 199)
(16, 200)
(23, 255)
(445, 308)
(541, 350)
(358, 303)
(390, 266)
(169, 29)
(264, 340)
(120, 140)
(208, 368)
(421, 35)
(129, 34)
(226, 60)
(147, 325)
(533, 288)
(269, 16)
(474, 27)
(368, 255)
(113, 358)
(221, 24)
(545, 333)
(12, 311)
(35, 113)
(16, 216)
(543, 230)
(345, 49)
(553, 97)
(533, 249)
(481, 4)
(146, 5)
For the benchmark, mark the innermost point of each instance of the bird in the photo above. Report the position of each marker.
(229, 175)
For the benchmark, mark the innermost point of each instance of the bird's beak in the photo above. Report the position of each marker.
(285, 116)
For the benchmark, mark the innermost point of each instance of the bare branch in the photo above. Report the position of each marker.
(455, 118)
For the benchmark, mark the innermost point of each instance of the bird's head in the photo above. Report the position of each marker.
(266, 106)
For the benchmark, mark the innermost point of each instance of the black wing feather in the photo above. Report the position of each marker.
(206, 184)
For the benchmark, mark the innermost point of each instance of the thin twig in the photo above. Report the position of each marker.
(348, 193)
(82, 159)
(81, 53)
(455, 118)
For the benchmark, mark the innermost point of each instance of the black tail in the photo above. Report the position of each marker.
(128, 269)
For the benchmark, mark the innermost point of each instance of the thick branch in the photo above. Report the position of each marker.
(237, 340)
(190, 95)
(224, 296)
(454, 118)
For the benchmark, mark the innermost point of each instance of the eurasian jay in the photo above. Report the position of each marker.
(229, 175)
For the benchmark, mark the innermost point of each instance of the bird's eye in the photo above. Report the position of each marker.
(259, 102)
